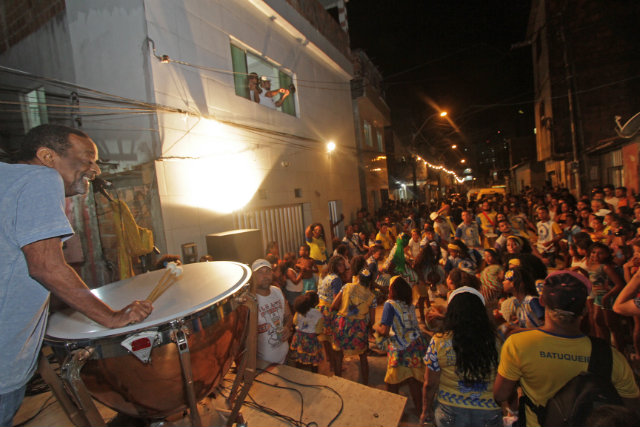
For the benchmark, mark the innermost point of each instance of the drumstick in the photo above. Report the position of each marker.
(169, 270)
(170, 281)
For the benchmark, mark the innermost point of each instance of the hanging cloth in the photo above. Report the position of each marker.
(133, 241)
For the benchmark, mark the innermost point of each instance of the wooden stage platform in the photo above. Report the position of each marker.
(361, 405)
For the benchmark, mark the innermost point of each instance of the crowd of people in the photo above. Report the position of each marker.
(527, 279)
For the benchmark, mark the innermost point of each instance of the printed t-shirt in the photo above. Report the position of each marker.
(441, 357)
(544, 362)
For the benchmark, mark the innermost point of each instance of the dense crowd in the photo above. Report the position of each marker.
(496, 262)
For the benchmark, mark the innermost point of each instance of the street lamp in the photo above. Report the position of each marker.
(454, 146)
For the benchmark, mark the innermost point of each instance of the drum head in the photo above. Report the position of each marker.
(200, 286)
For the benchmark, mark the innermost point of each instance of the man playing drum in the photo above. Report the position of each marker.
(274, 317)
(53, 162)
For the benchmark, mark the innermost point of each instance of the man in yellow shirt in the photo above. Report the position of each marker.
(545, 359)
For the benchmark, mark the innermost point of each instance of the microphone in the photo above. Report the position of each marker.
(101, 185)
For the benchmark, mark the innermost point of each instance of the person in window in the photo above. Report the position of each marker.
(268, 98)
(254, 87)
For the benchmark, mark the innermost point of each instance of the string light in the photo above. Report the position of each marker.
(441, 168)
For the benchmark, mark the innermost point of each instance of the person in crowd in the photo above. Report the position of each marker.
(330, 285)
(397, 263)
(430, 275)
(414, 244)
(305, 346)
(549, 234)
(531, 358)
(520, 222)
(630, 306)
(274, 317)
(315, 237)
(294, 286)
(623, 199)
(458, 255)
(385, 237)
(268, 98)
(442, 228)
(406, 347)
(606, 283)
(505, 230)
(461, 366)
(519, 283)
(490, 277)
(253, 82)
(309, 269)
(355, 306)
(52, 162)
(353, 242)
(487, 220)
(468, 231)
(610, 197)
(272, 249)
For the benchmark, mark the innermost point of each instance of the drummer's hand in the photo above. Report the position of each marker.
(133, 313)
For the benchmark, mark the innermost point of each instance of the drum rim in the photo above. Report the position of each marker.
(157, 323)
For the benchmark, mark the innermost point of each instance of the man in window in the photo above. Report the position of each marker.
(268, 98)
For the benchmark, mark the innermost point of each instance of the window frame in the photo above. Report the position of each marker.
(240, 55)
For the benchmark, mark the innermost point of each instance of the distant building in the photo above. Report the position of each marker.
(585, 60)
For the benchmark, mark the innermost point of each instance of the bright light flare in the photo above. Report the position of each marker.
(331, 146)
(443, 114)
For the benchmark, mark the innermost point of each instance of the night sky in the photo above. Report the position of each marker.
(456, 53)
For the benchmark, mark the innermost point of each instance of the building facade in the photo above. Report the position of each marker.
(162, 87)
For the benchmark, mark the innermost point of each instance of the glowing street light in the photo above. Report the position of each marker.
(444, 113)
(331, 146)
(454, 146)
(463, 161)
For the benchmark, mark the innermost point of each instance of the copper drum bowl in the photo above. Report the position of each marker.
(205, 303)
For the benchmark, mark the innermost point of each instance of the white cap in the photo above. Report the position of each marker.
(433, 216)
(259, 263)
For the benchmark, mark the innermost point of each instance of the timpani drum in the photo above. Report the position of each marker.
(136, 370)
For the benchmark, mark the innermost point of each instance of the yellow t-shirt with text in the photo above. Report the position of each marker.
(544, 362)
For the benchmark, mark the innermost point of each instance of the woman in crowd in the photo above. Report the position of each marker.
(461, 366)
(315, 237)
(355, 306)
(406, 347)
(519, 283)
(329, 287)
(490, 277)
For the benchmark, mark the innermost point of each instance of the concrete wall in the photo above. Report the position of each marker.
(216, 157)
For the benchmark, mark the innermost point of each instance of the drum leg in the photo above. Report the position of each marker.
(71, 375)
(57, 388)
(185, 363)
(247, 369)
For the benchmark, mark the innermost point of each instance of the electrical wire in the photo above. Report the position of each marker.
(261, 371)
(46, 404)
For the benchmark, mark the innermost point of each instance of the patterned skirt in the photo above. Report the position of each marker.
(306, 348)
(407, 363)
(328, 319)
(350, 336)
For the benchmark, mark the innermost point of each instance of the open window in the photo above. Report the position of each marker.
(246, 62)
(34, 109)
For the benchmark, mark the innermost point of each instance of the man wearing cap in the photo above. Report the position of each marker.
(274, 317)
(545, 359)
(268, 98)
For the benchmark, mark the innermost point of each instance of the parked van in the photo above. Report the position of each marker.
(479, 193)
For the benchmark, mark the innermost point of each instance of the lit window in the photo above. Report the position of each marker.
(379, 137)
(34, 109)
(367, 134)
(246, 62)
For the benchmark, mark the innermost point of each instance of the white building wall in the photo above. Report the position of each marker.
(229, 163)
(206, 163)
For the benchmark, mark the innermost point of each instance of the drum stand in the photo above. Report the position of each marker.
(77, 403)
